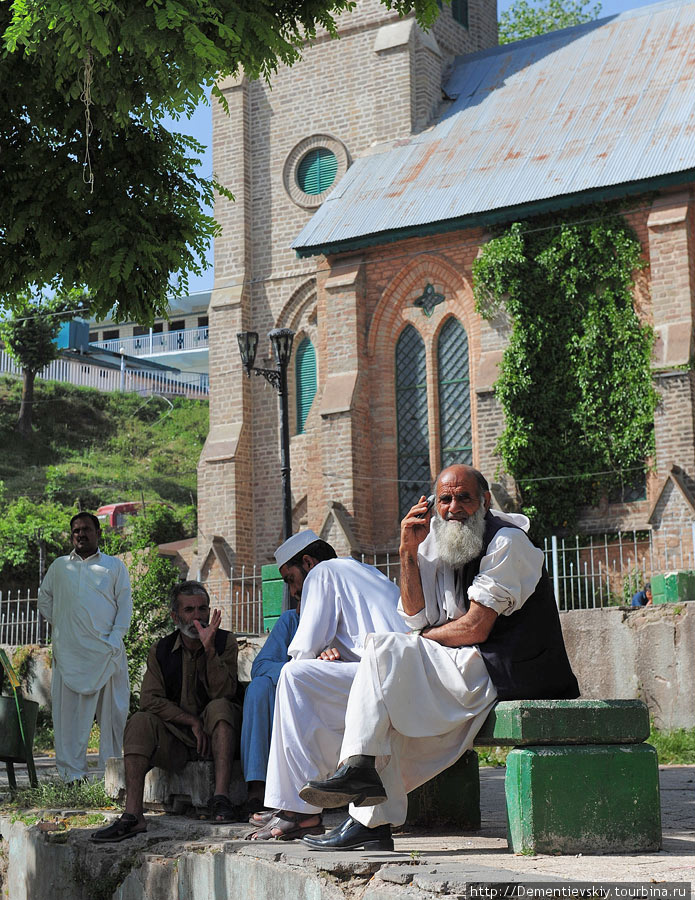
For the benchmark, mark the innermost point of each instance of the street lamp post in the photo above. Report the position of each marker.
(281, 339)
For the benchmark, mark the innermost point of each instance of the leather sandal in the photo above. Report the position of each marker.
(263, 816)
(222, 809)
(126, 826)
(287, 823)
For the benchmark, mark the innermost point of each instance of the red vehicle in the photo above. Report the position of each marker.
(115, 515)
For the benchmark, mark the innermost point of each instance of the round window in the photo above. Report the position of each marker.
(313, 167)
(317, 170)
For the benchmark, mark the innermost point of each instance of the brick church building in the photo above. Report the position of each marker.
(366, 178)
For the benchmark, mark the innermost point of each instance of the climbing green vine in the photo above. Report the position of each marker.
(575, 380)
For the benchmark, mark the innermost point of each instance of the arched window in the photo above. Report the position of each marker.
(305, 381)
(411, 414)
(454, 395)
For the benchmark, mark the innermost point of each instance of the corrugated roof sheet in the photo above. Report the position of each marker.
(607, 103)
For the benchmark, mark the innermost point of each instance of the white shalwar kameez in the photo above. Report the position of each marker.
(88, 603)
(342, 602)
(416, 705)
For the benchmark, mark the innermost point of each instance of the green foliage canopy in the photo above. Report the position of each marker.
(524, 20)
(575, 380)
(97, 74)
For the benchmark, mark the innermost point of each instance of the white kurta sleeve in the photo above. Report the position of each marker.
(46, 595)
(318, 617)
(417, 620)
(124, 605)
(509, 572)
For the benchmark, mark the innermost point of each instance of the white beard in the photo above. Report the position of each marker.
(459, 542)
(190, 630)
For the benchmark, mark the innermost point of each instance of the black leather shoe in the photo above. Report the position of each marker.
(348, 784)
(352, 835)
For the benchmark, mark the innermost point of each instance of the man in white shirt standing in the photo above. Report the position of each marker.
(342, 601)
(484, 627)
(86, 598)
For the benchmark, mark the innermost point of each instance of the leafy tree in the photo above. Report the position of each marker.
(151, 577)
(83, 87)
(524, 20)
(20, 521)
(158, 524)
(29, 336)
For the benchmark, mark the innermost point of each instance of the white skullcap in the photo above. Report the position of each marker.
(294, 545)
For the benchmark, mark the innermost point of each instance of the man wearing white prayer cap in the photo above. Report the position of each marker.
(342, 601)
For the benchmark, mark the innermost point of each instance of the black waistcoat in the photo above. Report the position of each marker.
(525, 652)
(171, 663)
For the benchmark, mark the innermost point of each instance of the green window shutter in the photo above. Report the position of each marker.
(305, 380)
(454, 395)
(317, 171)
(411, 418)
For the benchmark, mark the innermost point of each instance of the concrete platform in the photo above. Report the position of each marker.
(181, 858)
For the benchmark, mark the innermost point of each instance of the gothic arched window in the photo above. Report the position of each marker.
(305, 381)
(411, 415)
(454, 395)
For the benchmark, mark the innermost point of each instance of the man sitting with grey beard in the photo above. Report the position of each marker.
(485, 626)
(188, 709)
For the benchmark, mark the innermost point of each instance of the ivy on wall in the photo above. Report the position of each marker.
(575, 380)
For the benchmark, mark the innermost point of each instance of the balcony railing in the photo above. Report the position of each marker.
(140, 381)
(162, 342)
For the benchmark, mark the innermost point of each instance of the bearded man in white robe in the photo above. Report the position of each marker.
(86, 598)
(484, 626)
(342, 601)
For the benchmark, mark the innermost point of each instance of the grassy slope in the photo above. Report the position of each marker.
(100, 447)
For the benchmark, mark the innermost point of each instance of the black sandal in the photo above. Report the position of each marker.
(126, 826)
(222, 809)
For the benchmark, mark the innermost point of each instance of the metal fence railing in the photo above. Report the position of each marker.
(20, 620)
(240, 600)
(592, 571)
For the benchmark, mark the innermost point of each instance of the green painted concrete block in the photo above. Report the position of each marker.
(273, 592)
(269, 621)
(272, 597)
(523, 722)
(673, 587)
(451, 798)
(600, 799)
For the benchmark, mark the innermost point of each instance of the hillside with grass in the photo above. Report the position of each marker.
(91, 448)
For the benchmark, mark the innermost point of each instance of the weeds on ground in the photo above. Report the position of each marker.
(492, 756)
(674, 747)
(56, 794)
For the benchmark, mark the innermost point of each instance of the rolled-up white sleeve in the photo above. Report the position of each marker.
(509, 572)
(416, 621)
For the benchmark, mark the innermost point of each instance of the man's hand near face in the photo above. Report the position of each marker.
(207, 633)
